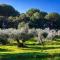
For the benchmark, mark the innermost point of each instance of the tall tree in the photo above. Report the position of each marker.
(23, 17)
(8, 10)
(52, 16)
(53, 20)
(31, 11)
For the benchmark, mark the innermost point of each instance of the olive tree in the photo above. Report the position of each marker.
(20, 37)
(41, 36)
(4, 37)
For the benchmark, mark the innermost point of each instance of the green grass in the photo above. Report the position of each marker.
(51, 50)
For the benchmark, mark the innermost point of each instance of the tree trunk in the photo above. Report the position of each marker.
(20, 44)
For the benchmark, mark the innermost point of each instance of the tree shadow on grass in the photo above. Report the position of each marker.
(44, 48)
(37, 47)
(4, 50)
(23, 56)
(27, 56)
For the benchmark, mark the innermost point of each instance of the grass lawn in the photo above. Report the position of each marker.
(32, 52)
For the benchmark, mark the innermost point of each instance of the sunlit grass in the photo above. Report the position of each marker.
(50, 48)
(40, 49)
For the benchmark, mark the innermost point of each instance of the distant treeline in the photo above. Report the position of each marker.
(11, 18)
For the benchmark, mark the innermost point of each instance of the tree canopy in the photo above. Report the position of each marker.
(52, 16)
(11, 18)
(8, 10)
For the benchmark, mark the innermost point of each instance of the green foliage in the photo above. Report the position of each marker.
(38, 16)
(23, 17)
(7, 10)
(53, 16)
(3, 39)
(31, 11)
(34, 17)
(21, 25)
(13, 22)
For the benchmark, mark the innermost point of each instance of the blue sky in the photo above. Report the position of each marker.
(43, 5)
